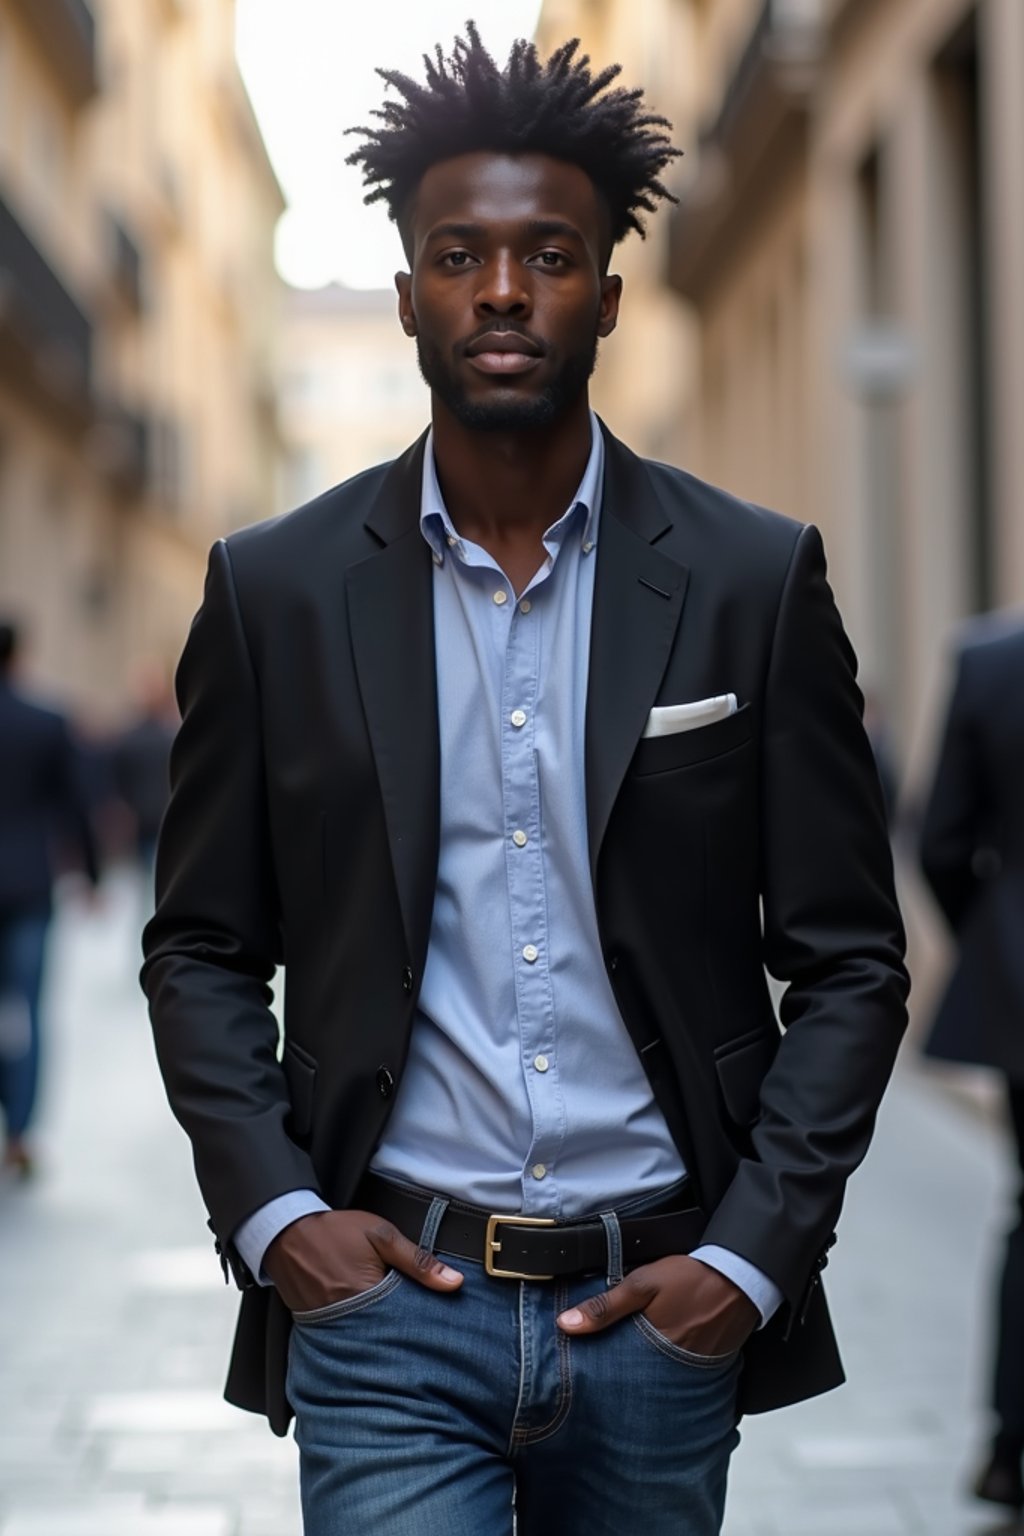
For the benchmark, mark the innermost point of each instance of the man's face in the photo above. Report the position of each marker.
(507, 297)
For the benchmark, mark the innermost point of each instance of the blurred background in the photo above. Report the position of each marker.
(197, 331)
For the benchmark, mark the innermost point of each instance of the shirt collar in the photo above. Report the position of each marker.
(583, 511)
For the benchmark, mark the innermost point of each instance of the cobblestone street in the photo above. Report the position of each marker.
(114, 1326)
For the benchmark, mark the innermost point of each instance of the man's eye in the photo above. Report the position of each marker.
(455, 258)
(551, 259)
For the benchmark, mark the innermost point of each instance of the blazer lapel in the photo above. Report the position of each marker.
(391, 618)
(638, 599)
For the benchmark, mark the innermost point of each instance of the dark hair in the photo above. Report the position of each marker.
(529, 107)
(8, 643)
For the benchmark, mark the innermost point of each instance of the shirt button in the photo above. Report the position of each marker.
(452, 541)
(385, 1082)
(518, 718)
(587, 546)
(538, 1170)
(541, 1063)
(530, 953)
(519, 838)
(500, 597)
(407, 979)
(438, 559)
(525, 605)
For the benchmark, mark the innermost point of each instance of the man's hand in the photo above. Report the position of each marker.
(333, 1255)
(693, 1305)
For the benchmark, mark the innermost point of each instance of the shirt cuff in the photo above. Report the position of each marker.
(753, 1282)
(257, 1232)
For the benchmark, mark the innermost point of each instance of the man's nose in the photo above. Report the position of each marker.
(503, 289)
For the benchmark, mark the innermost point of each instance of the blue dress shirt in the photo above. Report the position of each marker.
(522, 1090)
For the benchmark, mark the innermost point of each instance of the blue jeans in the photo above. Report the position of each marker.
(22, 953)
(425, 1414)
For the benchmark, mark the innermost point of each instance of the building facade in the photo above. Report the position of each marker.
(849, 245)
(350, 392)
(137, 327)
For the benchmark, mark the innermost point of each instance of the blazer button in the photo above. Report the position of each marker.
(407, 979)
(385, 1082)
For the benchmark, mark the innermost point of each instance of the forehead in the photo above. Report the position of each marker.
(495, 188)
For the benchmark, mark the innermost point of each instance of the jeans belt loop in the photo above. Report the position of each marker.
(613, 1237)
(428, 1236)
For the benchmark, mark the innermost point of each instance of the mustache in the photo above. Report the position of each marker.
(503, 328)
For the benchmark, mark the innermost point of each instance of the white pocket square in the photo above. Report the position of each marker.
(668, 719)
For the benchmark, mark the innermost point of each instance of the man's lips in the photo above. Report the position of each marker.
(503, 352)
(502, 341)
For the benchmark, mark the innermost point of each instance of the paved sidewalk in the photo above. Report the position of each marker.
(114, 1327)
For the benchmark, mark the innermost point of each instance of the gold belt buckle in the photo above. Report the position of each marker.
(492, 1246)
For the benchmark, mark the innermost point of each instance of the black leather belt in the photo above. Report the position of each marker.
(528, 1248)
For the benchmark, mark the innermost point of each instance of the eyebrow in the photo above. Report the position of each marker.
(454, 231)
(543, 227)
(538, 228)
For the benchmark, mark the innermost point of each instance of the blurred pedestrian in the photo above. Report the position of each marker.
(972, 853)
(140, 760)
(43, 817)
(453, 748)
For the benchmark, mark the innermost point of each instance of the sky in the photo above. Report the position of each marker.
(309, 68)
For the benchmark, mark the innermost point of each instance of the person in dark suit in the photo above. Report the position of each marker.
(972, 853)
(498, 750)
(42, 809)
(140, 762)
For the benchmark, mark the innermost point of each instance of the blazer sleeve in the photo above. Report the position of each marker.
(832, 933)
(213, 943)
(956, 810)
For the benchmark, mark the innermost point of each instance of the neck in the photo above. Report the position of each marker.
(502, 487)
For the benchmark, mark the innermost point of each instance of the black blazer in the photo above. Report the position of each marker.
(972, 853)
(42, 805)
(303, 830)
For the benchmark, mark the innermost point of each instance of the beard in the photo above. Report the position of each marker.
(507, 413)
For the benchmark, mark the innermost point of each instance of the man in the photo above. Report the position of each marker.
(498, 749)
(972, 853)
(41, 807)
(140, 759)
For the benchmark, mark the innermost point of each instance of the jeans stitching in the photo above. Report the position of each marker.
(350, 1304)
(515, 1434)
(647, 1330)
(524, 1437)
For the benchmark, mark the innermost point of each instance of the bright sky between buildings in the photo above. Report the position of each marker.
(309, 68)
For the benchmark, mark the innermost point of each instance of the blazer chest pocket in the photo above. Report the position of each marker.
(741, 1065)
(682, 749)
(300, 1075)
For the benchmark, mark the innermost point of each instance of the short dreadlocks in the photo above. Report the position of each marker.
(554, 108)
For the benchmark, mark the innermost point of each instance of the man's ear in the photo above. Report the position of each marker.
(406, 314)
(611, 294)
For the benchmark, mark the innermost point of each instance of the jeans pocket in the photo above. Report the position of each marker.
(350, 1304)
(665, 1346)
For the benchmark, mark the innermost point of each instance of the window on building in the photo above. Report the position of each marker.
(961, 163)
(878, 340)
(873, 266)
